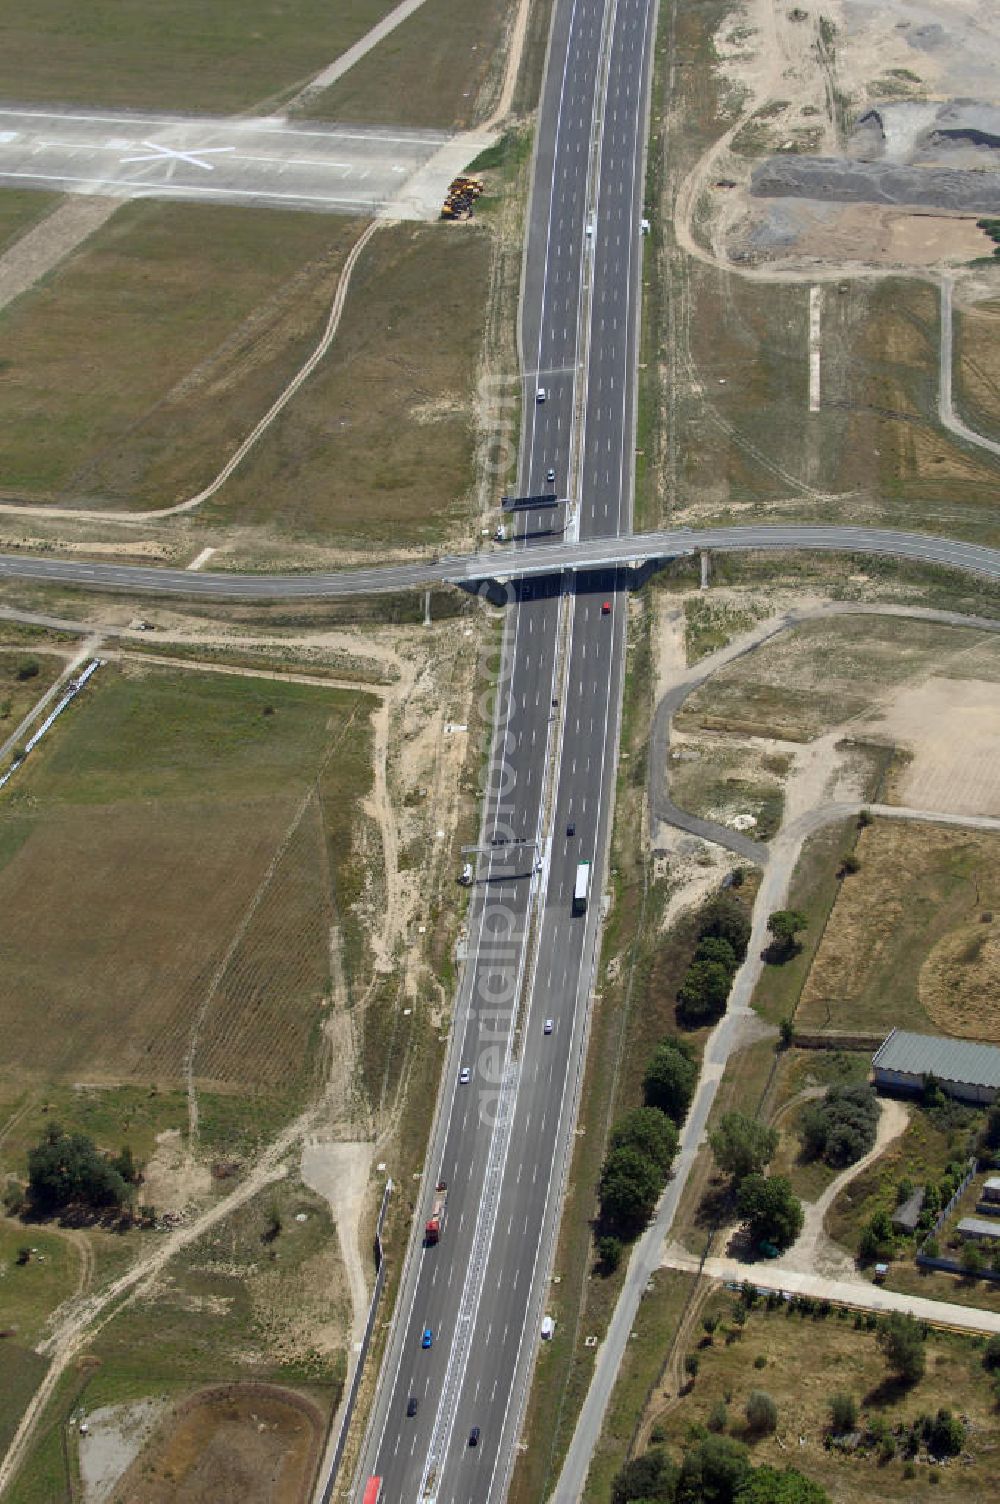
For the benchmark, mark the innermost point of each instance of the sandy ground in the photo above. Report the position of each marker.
(339, 1172)
(173, 1181)
(952, 729)
(116, 1436)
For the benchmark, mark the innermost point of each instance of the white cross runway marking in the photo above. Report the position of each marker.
(159, 153)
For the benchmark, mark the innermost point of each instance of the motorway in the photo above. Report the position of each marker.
(270, 163)
(591, 555)
(501, 1139)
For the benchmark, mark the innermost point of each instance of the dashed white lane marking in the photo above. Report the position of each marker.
(815, 305)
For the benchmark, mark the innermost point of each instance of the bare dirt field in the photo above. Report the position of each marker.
(880, 962)
(235, 298)
(240, 1445)
(172, 55)
(951, 729)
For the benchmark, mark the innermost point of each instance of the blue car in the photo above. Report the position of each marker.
(427, 1338)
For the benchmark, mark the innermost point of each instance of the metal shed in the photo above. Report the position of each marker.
(962, 1068)
(978, 1227)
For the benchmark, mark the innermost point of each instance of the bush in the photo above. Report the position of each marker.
(609, 1252)
(843, 1413)
(761, 1413)
(876, 1240)
(691, 1365)
(28, 668)
(971, 1258)
(670, 1079)
(947, 1435)
(718, 1418)
(715, 1468)
(991, 1355)
(715, 948)
(842, 1126)
(710, 1323)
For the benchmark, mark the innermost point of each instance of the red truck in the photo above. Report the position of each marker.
(432, 1232)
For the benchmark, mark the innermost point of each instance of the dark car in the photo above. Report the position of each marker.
(411, 1408)
(474, 1437)
(571, 829)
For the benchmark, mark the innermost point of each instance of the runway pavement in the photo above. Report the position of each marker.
(268, 163)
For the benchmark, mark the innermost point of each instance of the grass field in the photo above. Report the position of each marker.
(441, 68)
(825, 673)
(175, 55)
(378, 446)
(24, 677)
(232, 302)
(976, 375)
(905, 944)
(769, 1356)
(239, 1305)
(193, 839)
(20, 210)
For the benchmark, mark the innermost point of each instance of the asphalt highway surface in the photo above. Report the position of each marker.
(502, 1136)
(269, 163)
(589, 555)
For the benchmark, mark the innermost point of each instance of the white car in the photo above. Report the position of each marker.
(465, 1075)
(550, 475)
(541, 394)
(548, 1026)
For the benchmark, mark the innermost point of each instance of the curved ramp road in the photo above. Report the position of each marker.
(589, 554)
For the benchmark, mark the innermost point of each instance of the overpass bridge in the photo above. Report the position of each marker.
(638, 553)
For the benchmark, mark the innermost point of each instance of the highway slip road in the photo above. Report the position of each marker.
(502, 1137)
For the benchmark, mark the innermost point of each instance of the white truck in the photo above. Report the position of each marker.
(581, 891)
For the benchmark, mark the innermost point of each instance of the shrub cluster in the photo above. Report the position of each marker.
(723, 933)
(841, 1127)
(716, 1468)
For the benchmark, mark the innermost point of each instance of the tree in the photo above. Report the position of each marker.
(742, 1146)
(901, 1340)
(842, 1125)
(630, 1185)
(786, 1031)
(650, 1477)
(785, 925)
(770, 1210)
(692, 1363)
(28, 668)
(670, 1079)
(843, 1413)
(649, 1130)
(713, 1471)
(715, 948)
(971, 1258)
(66, 1168)
(702, 995)
(727, 918)
(761, 1413)
(876, 1240)
(766, 1485)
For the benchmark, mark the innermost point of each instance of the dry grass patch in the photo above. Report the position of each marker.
(840, 1357)
(194, 839)
(233, 300)
(977, 366)
(917, 885)
(829, 672)
(177, 55)
(378, 446)
(442, 67)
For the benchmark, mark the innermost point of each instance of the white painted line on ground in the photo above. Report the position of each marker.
(815, 305)
(202, 558)
(124, 186)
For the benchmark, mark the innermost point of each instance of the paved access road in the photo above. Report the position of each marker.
(589, 555)
(269, 163)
